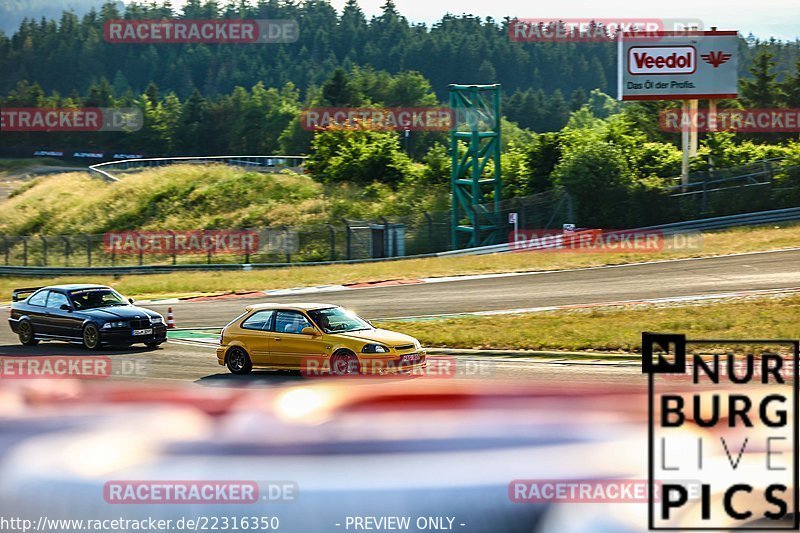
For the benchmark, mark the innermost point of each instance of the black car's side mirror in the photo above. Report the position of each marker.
(65, 307)
(130, 300)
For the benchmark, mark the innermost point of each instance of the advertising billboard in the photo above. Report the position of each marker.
(678, 66)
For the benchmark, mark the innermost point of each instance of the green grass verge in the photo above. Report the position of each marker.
(610, 329)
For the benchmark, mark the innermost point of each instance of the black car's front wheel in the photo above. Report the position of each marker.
(238, 361)
(91, 337)
(25, 333)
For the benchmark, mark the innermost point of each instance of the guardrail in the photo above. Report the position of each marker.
(21, 271)
(706, 224)
(748, 219)
(272, 163)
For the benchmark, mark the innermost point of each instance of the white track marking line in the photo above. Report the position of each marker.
(195, 344)
(448, 279)
(673, 299)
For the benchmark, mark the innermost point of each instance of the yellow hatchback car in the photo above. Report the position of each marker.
(316, 339)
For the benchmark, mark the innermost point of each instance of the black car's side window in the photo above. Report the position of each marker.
(56, 300)
(39, 298)
(258, 321)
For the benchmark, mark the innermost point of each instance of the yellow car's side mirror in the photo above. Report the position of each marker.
(309, 331)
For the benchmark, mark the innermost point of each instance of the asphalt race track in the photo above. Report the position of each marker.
(772, 270)
(193, 362)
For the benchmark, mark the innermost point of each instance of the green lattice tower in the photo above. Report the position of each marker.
(476, 175)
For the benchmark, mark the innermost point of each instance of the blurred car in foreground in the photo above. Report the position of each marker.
(93, 315)
(316, 339)
(323, 455)
(320, 456)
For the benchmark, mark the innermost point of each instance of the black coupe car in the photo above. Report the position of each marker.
(93, 315)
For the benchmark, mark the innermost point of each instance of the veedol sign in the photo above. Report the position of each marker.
(662, 60)
(678, 66)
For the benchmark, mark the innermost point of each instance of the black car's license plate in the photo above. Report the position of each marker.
(139, 332)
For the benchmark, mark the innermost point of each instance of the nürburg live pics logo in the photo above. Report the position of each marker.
(725, 415)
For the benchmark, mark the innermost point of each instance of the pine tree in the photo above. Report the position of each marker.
(190, 134)
(100, 94)
(791, 88)
(762, 90)
(152, 93)
(339, 92)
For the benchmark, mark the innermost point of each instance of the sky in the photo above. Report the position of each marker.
(763, 18)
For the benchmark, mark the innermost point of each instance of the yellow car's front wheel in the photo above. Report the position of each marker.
(344, 363)
(238, 361)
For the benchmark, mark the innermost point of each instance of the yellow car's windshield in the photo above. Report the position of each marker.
(338, 320)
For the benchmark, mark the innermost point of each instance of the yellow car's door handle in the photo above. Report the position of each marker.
(276, 339)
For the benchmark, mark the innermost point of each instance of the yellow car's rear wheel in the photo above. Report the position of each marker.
(238, 361)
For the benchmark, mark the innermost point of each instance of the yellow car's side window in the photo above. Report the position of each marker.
(291, 322)
(258, 321)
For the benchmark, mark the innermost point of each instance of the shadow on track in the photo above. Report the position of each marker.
(55, 348)
(291, 377)
(254, 379)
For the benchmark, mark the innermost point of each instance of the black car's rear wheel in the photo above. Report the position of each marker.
(91, 337)
(238, 362)
(25, 333)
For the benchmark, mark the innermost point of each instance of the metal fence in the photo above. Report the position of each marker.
(273, 245)
(751, 174)
(700, 225)
(415, 234)
(715, 194)
(749, 219)
(732, 190)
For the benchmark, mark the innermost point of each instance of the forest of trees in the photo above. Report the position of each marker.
(543, 82)
(561, 128)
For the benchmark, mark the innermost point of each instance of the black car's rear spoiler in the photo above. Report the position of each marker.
(15, 295)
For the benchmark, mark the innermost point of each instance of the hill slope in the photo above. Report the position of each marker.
(185, 197)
